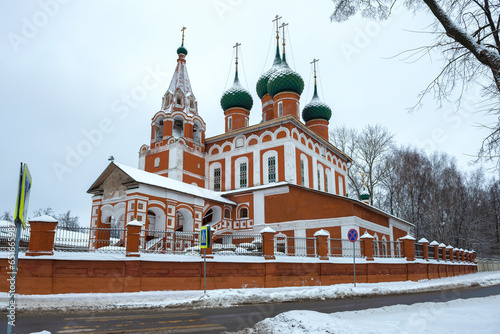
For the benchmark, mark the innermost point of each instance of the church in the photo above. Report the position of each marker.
(281, 173)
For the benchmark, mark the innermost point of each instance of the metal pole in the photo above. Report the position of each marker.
(354, 260)
(204, 270)
(14, 275)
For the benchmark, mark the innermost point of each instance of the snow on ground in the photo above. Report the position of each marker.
(475, 315)
(234, 297)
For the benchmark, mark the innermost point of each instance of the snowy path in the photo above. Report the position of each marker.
(233, 297)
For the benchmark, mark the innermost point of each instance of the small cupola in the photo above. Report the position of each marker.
(236, 102)
(317, 114)
(364, 196)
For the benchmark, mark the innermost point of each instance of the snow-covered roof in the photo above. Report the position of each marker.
(156, 180)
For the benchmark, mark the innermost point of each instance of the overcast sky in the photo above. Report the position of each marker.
(81, 80)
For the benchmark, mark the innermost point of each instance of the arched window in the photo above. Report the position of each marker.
(229, 123)
(341, 186)
(270, 167)
(241, 173)
(227, 213)
(178, 127)
(243, 213)
(197, 132)
(304, 170)
(159, 129)
(320, 177)
(157, 162)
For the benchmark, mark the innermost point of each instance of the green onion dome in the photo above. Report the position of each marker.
(365, 195)
(285, 79)
(182, 50)
(316, 109)
(264, 78)
(236, 96)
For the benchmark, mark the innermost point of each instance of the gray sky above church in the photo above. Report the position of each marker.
(81, 80)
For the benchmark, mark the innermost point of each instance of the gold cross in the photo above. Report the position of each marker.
(183, 28)
(236, 47)
(277, 18)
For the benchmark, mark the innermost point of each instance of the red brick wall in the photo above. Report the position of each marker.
(42, 276)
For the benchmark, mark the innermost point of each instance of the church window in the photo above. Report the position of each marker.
(244, 213)
(178, 128)
(246, 122)
(191, 104)
(271, 169)
(302, 172)
(227, 213)
(326, 182)
(341, 186)
(157, 162)
(178, 100)
(298, 110)
(159, 130)
(243, 175)
(280, 109)
(229, 123)
(217, 179)
(319, 180)
(264, 117)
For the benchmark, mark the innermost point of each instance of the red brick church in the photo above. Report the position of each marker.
(281, 173)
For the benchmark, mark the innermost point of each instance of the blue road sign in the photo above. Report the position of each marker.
(205, 238)
(352, 235)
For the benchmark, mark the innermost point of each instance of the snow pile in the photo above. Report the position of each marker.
(476, 315)
(234, 297)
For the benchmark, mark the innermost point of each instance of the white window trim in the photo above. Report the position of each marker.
(237, 164)
(280, 108)
(304, 158)
(214, 166)
(230, 123)
(341, 186)
(321, 180)
(265, 166)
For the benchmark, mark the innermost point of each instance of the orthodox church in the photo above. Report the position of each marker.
(281, 173)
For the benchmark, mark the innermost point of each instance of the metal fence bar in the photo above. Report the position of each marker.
(290, 246)
(237, 244)
(343, 248)
(23, 242)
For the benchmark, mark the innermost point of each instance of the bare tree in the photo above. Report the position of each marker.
(44, 212)
(466, 36)
(67, 221)
(7, 216)
(368, 149)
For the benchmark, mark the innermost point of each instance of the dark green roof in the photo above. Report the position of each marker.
(285, 79)
(316, 109)
(182, 50)
(264, 78)
(236, 96)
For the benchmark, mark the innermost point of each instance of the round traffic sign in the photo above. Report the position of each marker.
(352, 235)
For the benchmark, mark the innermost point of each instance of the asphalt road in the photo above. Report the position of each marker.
(214, 320)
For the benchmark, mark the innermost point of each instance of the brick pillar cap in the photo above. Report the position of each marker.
(321, 233)
(456, 249)
(434, 243)
(461, 249)
(423, 241)
(267, 229)
(467, 251)
(407, 237)
(366, 236)
(44, 219)
(135, 223)
(449, 247)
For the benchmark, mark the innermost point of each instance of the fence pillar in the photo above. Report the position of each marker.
(434, 244)
(133, 238)
(425, 248)
(42, 234)
(474, 256)
(322, 244)
(462, 254)
(268, 243)
(442, 249)
(467, 255)
(457, 254)
(409, 247)
(450, 250)
(367, 241)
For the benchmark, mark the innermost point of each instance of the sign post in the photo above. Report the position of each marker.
(20, 213)
(205, 242)
(352, 235)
